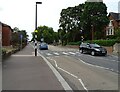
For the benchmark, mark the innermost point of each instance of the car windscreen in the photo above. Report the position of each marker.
(95, 45)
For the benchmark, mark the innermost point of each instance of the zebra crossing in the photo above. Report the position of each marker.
(60, 53)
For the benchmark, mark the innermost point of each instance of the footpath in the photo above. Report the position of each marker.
(24, 71)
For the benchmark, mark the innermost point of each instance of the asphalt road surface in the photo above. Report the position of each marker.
(83, 71)
(79, 71)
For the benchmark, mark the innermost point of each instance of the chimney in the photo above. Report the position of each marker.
(94, 1)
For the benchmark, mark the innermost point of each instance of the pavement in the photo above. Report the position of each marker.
(24, 71)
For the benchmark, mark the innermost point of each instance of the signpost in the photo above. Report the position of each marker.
(0, 56)
(21, 37)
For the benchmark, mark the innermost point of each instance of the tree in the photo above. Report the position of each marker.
(16, 36)
(94, 18)
(86, 17)
(70, 23)
(46, 33)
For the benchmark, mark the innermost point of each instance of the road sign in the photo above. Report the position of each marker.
(21, 36)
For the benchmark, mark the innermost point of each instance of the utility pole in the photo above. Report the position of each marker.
(36, 28)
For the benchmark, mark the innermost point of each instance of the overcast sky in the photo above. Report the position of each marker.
(21, 13)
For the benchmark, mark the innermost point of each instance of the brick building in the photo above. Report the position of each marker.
(6, 35)
(114, 23)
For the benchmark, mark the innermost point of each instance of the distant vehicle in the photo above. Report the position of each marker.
(93, 49)
(43, 46)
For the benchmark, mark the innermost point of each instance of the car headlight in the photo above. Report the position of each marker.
(97, 49)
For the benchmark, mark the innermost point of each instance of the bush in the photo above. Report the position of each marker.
(3, 52)
(110, 42)
(118, 40)
(74, 43)
(104, 42)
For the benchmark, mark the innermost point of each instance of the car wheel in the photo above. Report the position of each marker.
(81, 51)
(93, 53)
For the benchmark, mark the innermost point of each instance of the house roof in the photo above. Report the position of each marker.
(5, 25)
(116, 16)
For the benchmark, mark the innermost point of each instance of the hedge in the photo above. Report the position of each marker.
(104, 42)
(74, 43)
(100, 42)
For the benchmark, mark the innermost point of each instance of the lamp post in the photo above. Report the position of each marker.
(82, 38)
(36, 28)
(92, 29)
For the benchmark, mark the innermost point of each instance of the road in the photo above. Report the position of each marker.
(82, 71)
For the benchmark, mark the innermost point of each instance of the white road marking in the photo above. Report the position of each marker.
(77, 52)
(56, 53)
(68, 72)
(48, 54)
(57, 74)
(95, 65)
(80, 80)
(56, 64)
(72, 53)
(65, 53)
(104, 58)
(49, 58)
(83, 84)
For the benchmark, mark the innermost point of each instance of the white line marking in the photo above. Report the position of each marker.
(56, 64)
(71, 75)
(104, 58)
(49, 58)
(77, 52)
(57, 74)
(94, 65)
(72, 53)
(56, 53)
(67, 72)
(48, 54)
(83, 84)
(65, 53)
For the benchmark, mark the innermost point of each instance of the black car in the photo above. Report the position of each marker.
(93, 49)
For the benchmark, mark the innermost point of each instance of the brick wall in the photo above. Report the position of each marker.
(115, 23)
(6, 35)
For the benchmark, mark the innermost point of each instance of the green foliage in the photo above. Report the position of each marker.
(70, 23)
(74, 43)
(94, 15)
(4, 52)
(47, 33)
(16, 39)
(103, 42)
(100, 42)
(83, 17)
(115, 36)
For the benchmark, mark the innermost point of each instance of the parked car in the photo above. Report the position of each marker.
(93, 49)
(43, 46)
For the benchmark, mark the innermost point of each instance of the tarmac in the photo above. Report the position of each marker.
(24, 71)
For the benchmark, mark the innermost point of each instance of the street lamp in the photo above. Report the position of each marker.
(36, 28)
(92, 29)
(82, 38)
